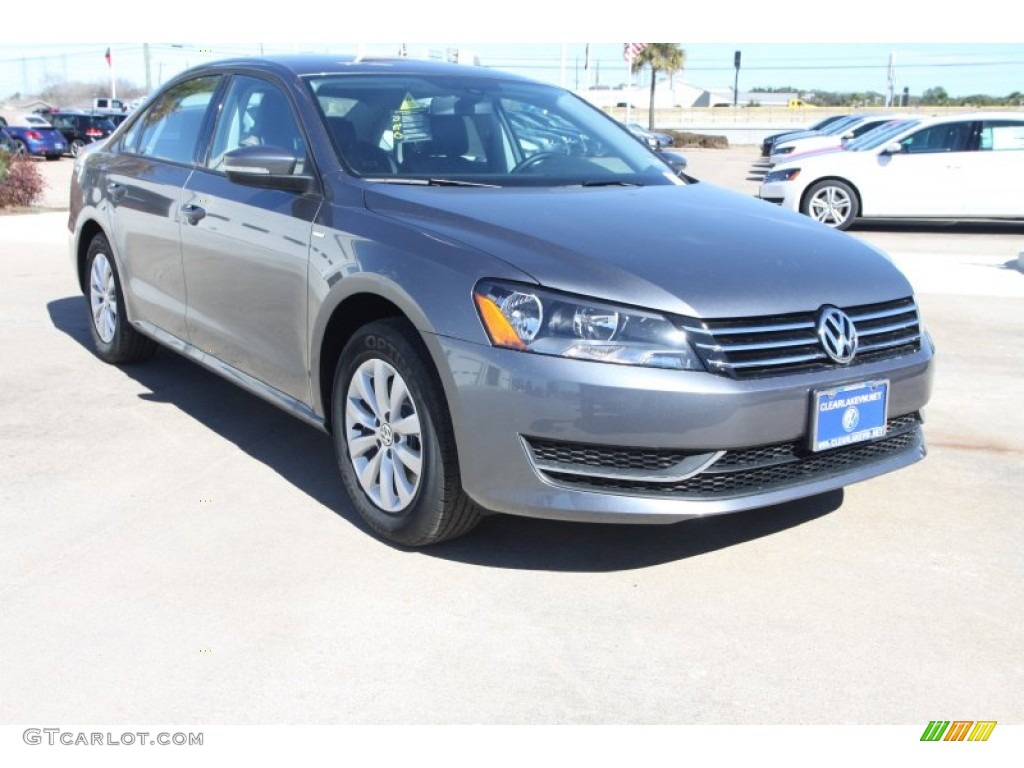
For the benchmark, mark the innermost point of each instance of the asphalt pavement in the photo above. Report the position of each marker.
(175, 550)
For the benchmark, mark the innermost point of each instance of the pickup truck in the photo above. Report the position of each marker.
(109, 105)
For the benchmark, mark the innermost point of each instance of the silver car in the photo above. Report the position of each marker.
(484, 325)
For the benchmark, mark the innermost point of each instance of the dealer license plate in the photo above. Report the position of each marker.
(848, 415)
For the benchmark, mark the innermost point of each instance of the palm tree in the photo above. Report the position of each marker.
(660, 57)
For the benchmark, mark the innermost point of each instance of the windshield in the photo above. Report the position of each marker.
(880, 135)
(478, 131)
(840, 125)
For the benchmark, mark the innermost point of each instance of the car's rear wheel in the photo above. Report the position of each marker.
(394, 441)
(114, 339)
(832, 202)
(20, 148)
(77, 146)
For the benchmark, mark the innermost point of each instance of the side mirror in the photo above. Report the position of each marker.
(894, 148)
(265, 166)
(675, 161)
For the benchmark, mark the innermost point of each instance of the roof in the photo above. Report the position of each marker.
(318, 64)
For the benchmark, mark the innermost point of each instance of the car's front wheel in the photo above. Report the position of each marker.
(114, 339)
(394, 441)
(831, 202)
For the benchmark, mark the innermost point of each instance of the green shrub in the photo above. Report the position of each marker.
(20, 182)
(687, 139)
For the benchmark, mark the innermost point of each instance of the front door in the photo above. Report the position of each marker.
(246, 249)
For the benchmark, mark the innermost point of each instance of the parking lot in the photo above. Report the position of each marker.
(177, 551)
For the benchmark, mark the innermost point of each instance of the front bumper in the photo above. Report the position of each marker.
(783, 193)
(521, 419)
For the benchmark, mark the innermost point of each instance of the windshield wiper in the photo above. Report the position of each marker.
(458, 183)
(430, 182)
(609, 183)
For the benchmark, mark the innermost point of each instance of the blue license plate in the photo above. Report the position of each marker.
(850, 414)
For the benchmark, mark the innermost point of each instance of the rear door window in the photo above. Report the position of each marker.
(171, 126)
(1001, 135)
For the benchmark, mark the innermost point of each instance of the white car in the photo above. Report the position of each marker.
(964, 166)
(785, 150)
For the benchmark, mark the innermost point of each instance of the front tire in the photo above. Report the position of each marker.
(113, 337)
(394, 440)
(832, 202)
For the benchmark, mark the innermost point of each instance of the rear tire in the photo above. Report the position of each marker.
(394, 440)
(76, 146)
(113, 337)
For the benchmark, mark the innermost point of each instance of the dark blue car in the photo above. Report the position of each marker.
(32, 135)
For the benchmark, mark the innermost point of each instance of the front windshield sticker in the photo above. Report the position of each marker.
(410, 122)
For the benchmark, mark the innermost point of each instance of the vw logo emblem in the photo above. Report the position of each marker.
(837, 334)
(851, 418)
(387, 435)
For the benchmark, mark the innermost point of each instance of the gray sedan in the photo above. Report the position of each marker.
(485, 323)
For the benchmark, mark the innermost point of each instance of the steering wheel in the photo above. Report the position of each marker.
(535, 159)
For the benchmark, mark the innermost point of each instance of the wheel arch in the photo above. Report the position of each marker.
(89, 229)
(346, 316)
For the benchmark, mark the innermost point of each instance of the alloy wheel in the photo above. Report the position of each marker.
(382, 430)
(103, 298)
(831, 206)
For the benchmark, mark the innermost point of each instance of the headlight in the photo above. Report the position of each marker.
(550, 323)
(785, 175)
(782, 150)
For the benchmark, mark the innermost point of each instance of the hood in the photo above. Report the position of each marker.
(692, 250)
(781, 138)
(796, 156)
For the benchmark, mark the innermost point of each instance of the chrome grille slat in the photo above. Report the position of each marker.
(872, 331)
(753, 347)
(767, 361)
(871, 346)
(860, 317)
(725, 331)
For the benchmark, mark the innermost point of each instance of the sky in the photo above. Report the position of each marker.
(839, 52)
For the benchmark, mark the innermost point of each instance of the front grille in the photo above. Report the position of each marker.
(751, 347)
(761, 469)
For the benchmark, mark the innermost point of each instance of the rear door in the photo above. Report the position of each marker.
(994, 173)
(142, 189)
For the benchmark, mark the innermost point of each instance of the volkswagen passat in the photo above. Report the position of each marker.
(966, 166)
(484, 325)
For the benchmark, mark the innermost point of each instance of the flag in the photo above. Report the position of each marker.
(107, 57)
(630, 50)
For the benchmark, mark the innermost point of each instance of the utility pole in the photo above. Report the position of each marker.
(113, 78)
(149, 69)
(890, 93)
(736, 80)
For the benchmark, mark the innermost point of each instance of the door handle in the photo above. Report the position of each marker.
(116, 191)
(193, 213)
